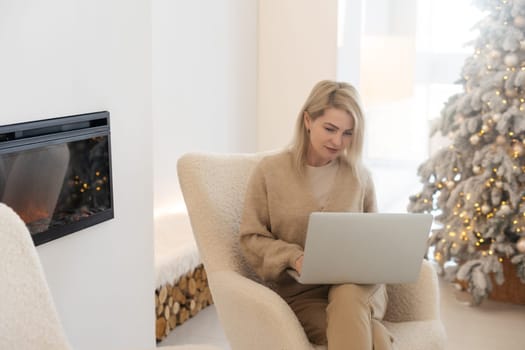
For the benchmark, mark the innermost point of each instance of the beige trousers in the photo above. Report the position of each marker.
(344, 316)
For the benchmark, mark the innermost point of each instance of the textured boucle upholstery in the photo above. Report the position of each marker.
(28, 318)
(252, 315)
(189, 347)
(414, 301)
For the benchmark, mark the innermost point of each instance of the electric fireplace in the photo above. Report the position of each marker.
(56, 173)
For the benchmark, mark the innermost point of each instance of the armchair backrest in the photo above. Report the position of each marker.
(28, 316)
(213, 186)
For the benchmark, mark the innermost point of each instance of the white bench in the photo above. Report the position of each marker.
(181, 286)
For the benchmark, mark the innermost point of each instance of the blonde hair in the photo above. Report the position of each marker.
(331, 94)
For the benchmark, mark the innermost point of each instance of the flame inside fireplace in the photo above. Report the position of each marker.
(31, 214)
(37, 219)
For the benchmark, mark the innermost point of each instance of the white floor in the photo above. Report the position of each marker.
(491, 326)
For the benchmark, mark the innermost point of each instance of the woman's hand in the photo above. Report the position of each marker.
(299, 264)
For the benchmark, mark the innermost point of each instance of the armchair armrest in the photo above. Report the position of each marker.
(253, 316)
(415, 301)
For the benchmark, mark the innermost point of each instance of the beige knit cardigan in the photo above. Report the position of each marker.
(277, 205)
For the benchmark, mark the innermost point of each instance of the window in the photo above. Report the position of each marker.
(412, 52)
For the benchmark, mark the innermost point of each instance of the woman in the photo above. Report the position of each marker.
(321, 171)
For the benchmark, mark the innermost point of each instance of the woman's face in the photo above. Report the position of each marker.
(330, 134)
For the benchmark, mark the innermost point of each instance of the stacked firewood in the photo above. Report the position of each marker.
(176, 303)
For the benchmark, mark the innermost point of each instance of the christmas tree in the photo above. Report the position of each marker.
(475, 187)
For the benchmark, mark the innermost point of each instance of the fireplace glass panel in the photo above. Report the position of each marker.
(59, 187)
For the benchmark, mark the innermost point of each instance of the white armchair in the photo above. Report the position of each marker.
(252, 315)
(28, 318)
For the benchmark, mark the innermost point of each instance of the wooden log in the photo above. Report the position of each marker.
(175, 308)
(167, 311)
(167, 329)
(200, 284)
(197, 274)
(176, 303)
(160, 309)
(192, 287)
(163, 293)
(183, 315)
(178, 295)
(172, 321)
(183, 283)
(160, 328)
(203, 297)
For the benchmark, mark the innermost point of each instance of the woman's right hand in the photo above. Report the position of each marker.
(299, 264)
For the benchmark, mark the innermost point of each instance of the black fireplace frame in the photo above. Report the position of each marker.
(29, 135)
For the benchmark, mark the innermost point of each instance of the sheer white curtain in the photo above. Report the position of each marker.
(409, 53)
(412, 52)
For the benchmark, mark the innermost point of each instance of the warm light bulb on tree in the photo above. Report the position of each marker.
(504, 209)
(519, 21)
(520, 245)
(474, 139)
(511, 60)
(494, 59)
(485, 209)
(517, 148)
(495, 54)
(511, 93)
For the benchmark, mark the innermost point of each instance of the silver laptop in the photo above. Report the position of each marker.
(364, 248)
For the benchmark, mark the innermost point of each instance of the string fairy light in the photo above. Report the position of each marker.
(475, 213)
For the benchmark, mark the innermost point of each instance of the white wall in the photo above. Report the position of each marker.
(63, 57)
(204, 85)
(297, 48)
